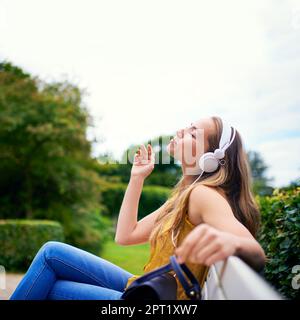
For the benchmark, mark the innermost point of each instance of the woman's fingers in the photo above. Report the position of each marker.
(145, 155)
(151, 154)
(144, 151)
(203, 243)
(217, 256)
(152, 157)
(202, 254)
(137, 158)
(149, 148)
(190, 242)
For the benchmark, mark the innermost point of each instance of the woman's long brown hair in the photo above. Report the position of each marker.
(235, 180)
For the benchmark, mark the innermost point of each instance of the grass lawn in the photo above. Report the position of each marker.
(131, 258)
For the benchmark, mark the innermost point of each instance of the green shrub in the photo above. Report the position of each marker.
(90, 231)
(112, 195)
(280, 238)
(85, 226)
(152, 198)
(21, 239)
(164, 179)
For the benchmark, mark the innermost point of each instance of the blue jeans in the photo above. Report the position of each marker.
(60, 271)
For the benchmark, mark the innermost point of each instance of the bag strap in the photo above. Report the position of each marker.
(192, 291)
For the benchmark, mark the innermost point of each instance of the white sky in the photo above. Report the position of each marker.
(152, 67)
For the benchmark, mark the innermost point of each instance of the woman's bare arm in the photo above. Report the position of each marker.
(142, 229)
(220, 234)
(129, 231)
(127, 219)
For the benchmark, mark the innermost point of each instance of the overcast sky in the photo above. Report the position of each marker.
(152, 67)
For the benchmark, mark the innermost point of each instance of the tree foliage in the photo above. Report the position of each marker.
(280, 238)
(45, 165)
(261, 183)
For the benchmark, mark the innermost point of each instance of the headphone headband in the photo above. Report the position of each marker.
(226, 135)
(226, 139)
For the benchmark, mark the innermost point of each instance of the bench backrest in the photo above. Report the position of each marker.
(233, 279)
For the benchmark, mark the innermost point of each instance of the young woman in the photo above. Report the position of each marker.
(208, 217)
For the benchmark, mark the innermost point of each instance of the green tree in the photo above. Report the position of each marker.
(45, 165)
(261, 183)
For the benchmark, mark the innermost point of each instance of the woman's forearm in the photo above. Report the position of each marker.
(127, 219)
(251, 252)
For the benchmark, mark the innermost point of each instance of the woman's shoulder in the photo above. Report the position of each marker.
(203, 196)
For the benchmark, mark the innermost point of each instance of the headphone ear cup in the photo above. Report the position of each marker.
(208, 162)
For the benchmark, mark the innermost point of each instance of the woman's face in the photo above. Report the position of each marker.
(190, 143)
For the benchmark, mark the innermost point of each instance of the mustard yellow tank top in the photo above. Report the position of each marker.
(160, 256)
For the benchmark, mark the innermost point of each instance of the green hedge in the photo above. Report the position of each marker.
(152, 198)
(21, 239)
(280, 238)
(90, 231)
(85, 226)
(112, 195)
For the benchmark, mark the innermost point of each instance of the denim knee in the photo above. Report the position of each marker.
(50, 247)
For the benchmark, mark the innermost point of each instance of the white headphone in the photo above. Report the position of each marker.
(209, 161)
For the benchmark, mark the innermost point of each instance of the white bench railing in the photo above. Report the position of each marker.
(233, 279)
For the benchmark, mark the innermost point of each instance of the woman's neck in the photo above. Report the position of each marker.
(189, 175)
(189, 179)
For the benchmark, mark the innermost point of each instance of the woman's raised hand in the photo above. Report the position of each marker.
(143, 163)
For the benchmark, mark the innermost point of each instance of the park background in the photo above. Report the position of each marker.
(82, 85)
